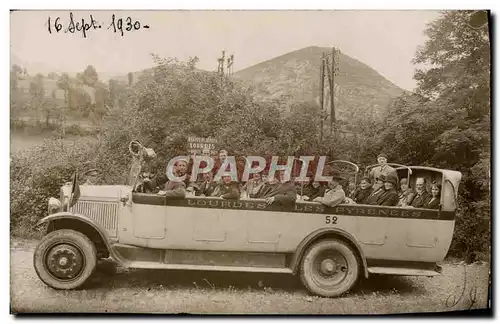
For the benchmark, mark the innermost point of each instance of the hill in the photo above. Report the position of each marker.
(360, 90)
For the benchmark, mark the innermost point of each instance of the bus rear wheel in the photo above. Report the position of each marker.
(329, 268)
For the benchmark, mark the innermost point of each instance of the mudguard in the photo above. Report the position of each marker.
(325, 232)
(87, 220)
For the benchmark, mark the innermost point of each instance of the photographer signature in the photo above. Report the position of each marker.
(85, 25)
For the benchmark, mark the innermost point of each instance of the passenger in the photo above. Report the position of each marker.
(334, 195)
(378, 190)
(227, 189)
(144, 183)
(406, 194)
(351, 190)
(313, 190)
(390, 195)
(383, 168)
(435, 200)
(279, 191)
(177, 188)
(205, 152)
(422, 196)
(218, 163)
(222, 155)
(365, 189)
(253, 186)
(300, 187)
(266, 187)
(207, 186)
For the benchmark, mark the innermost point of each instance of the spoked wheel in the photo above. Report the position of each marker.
(329, 268)
(65, 259)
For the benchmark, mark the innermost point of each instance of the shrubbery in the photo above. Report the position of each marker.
(38, 174)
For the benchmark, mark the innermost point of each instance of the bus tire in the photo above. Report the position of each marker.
(65, 259)
(329, 268)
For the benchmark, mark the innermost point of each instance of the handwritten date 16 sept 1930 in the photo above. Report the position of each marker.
(84, 26)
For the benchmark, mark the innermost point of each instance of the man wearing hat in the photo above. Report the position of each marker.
(278, 190)
(383, 168)
(92, 175)
(227, 189)
(334, 195)
(378, 191)
(390, 195)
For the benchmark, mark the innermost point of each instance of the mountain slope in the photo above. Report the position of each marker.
(360, 91)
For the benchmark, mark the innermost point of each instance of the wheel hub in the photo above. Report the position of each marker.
(328, 266)
(64, 261)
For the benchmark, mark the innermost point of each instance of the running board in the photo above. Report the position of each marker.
(404, 271)
(157, 265)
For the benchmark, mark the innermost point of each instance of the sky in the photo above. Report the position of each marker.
(384, 40)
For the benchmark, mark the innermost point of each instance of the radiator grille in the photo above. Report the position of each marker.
(103, 212)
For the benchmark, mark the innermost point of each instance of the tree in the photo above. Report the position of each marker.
(16, 69)
(51, 108)
(460, 58)
(17, 99)
(130, 77)
(90, 76)
(64, 84)
(15, 72)
(117, 92)
(457, 87)
(37, 94)
(446, 123)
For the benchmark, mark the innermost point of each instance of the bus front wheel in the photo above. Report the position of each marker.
(65, 259)
(329, 268)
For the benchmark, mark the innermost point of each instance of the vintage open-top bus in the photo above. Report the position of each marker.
(329, 247)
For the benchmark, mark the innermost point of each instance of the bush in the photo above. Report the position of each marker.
(38, 174)
(472, 231)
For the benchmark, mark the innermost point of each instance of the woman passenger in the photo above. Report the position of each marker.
(435, 200)
(390, 196)
(405, 193)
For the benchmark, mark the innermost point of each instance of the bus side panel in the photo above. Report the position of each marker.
(266, 231)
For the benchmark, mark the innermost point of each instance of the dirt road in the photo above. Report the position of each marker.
(114, 289)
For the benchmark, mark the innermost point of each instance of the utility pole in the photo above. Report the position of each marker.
(63, 119)
(330, 86)
(331, 81)
(333, 118)
(321, 95)
(220, 68)
(230, 61)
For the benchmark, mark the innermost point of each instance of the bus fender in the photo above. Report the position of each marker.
(78, 219)
(321, 234)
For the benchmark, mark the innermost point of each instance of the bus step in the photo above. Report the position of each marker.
(403, 271)
(157, 265)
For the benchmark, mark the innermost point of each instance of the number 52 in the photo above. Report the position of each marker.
(331, 219)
